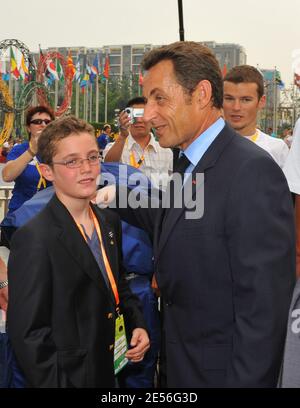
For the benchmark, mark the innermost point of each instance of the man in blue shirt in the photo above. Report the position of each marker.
(104, 138)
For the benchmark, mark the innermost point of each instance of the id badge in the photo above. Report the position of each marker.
(120, 348)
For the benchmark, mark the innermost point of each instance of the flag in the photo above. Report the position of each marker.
(48, 74)
(13, 65)
(94, 70)
(77, 66)
(95, 66)
(278, 80)
(51, 68)
(140, 77)
(224, 70)
(297, 80)
(106, 67)
(2, 68)
(71, 70)
(24, 72)
(60, 71)
(85, 80)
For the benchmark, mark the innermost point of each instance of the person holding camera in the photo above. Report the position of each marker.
(137, 146)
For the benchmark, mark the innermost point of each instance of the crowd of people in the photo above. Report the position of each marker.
(102, 294)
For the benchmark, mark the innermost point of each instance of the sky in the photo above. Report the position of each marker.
(269, 30)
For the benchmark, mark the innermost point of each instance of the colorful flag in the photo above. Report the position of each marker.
(140, 77)
(70, 66)
(224, 70)
(84, 81)
(52, 69)
(278, 79)
(13, 65)
(24, 72)
(95, 66)
(60, 71)
(2, 67)
(297, 80)
(78, 74)
(48, 74)
(106, 68)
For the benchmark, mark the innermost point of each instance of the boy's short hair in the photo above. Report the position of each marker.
(246, 74)
(58, 130)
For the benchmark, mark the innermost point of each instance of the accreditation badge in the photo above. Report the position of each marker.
(120, 348)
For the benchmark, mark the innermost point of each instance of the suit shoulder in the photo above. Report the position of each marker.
(242, 149)
(36, 229)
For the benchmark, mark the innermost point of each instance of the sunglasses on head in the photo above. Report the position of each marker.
(40, 121)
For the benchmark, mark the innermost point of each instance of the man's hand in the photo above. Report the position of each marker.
(33, 144)
(124, 122)
(105, 196)
(4, 298)
(140, 344)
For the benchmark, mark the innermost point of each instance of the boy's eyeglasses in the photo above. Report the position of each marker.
(93, 160)
(40, 121)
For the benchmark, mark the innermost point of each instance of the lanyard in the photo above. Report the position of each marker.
(254, 137)
(105, 259)
(133, 162)
(42, 181)
(132, 159)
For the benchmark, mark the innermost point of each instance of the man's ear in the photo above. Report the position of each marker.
(203, 93)
(262, 102)
(47, 171)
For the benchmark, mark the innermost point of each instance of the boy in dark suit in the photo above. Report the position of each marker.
(68, 298)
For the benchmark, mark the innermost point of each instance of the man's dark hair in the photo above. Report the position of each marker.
(38, 109)
(246, 74)
(138, 100)
(192, 63)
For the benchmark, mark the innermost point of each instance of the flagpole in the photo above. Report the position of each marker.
(274, 103)
(91, 101)
(56, 87)
(97, 99)
(139, 86)
(77, 100)
(86, 102)
(180, 15)
(106, 89)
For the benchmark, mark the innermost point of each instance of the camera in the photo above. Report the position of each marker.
(134, 113)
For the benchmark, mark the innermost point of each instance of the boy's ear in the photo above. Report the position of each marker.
(47, 171)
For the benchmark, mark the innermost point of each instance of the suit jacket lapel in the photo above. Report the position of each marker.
(208, 160)
(70, 237)
(109, 240)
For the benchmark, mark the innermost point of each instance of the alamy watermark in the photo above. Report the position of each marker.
(182, 193)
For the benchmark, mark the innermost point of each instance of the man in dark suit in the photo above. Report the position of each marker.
(68, 296)
(226, 277)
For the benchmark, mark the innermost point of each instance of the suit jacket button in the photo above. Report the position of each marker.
(111, 346)
(109, 315)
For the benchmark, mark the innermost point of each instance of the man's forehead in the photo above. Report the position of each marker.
(241, 88)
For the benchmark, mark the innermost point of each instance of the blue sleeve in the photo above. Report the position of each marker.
(17, 150)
